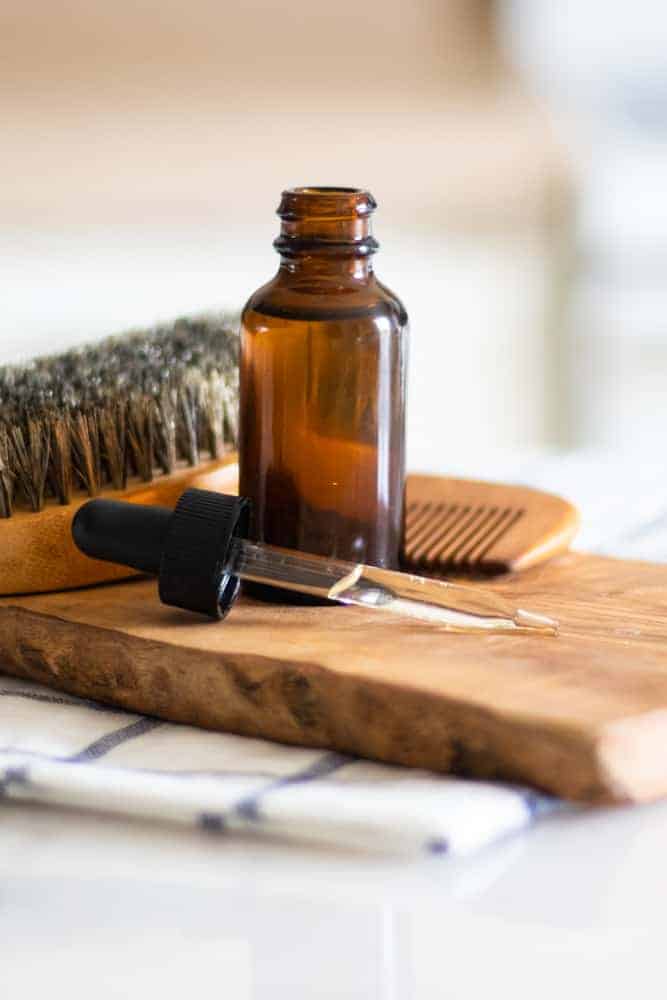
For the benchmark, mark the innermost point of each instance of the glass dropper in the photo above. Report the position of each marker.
(453, 606)
(200, 553)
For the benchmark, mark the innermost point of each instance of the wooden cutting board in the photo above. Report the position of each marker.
(583, 715)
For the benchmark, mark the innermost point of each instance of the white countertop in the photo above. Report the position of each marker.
(92, 906)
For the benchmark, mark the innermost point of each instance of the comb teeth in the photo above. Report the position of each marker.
(452, 536)
(129, 406)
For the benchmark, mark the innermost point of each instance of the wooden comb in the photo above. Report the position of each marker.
(457, 526)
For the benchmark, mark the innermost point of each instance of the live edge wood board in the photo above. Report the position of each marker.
(583, 715)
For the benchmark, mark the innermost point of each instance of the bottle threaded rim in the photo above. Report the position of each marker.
(314, 202)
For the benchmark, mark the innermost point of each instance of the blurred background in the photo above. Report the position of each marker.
(517, 150)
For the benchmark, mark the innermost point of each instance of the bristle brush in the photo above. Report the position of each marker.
(138, 417)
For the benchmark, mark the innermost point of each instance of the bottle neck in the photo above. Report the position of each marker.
(321, 266)
(326, 233)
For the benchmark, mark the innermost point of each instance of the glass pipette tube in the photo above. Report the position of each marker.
(453, 606)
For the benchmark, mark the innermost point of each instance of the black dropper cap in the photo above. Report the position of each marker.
(187, 548)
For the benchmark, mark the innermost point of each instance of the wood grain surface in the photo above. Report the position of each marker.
(583, 715)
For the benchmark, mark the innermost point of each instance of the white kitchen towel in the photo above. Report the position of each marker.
(63, 750)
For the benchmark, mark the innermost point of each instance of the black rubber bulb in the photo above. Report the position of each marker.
(187, 548)
(120, 532)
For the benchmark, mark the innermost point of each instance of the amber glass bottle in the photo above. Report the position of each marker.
(323, 366)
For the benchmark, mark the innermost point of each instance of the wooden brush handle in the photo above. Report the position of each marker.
(37, 554)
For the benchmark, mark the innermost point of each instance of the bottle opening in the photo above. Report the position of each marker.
(324, 190)
(325, 203)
